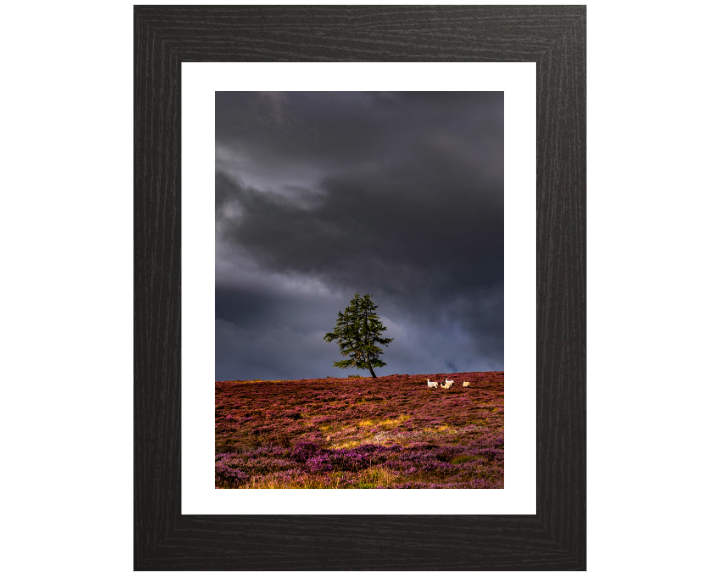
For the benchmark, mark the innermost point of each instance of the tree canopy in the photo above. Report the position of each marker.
(358, 331)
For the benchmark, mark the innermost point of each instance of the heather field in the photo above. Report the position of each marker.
(389, 432)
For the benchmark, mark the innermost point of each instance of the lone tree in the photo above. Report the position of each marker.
(357, 331)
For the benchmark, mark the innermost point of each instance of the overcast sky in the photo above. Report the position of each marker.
(319, 195)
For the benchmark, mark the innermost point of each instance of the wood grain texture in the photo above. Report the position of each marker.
(551, 36)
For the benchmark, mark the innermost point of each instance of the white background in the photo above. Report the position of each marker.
(199, 83)
(66, 237)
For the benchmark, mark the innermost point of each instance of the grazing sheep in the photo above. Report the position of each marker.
(447, 384)
(431, 384)
(450, 382)
(466, 384)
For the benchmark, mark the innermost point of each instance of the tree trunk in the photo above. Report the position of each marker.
(373, 373)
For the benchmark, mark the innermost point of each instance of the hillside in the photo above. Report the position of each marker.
(389, 432)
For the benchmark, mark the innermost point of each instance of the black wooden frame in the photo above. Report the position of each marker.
(551, 36)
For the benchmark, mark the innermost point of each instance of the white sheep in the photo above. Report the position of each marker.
(447, 384)
(466, 384)
(431, 384)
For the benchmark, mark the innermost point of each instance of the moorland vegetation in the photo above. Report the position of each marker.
(385, 432)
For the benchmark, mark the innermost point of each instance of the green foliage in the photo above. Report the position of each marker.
(358, 331)
(462, 459)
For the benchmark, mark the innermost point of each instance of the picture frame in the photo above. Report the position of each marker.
(554, 37)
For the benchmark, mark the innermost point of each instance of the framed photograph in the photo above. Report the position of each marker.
(340, 123)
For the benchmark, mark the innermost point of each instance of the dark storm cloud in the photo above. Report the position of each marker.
(320, 195)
